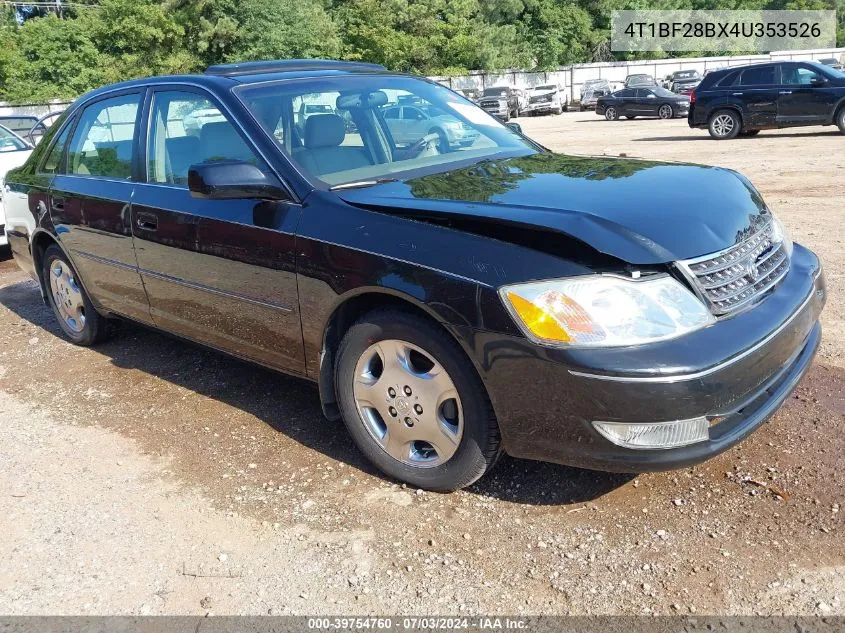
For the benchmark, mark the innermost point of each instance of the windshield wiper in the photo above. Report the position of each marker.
(357, 184)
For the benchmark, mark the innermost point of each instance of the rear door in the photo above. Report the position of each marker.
(757, 90)
(90, 198)
(800, 100)
(221, 272)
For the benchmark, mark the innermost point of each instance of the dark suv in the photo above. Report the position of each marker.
(747, 99)
(452, 301)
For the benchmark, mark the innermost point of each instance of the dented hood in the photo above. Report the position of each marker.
(639, 211)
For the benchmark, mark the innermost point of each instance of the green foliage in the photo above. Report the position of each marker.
(46, 57)
(279, 29)
(52, 59)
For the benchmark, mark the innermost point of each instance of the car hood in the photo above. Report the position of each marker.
(641, 212)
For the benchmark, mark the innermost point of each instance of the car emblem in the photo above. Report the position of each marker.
(751, 271)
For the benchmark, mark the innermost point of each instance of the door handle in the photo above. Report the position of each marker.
(738, 94)
(146, 222)
(57, 203)
(785, 92)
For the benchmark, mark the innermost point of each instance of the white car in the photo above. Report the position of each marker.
(547, 98)
(409, 123)
(13, 153)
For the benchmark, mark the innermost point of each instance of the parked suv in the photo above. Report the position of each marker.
(451, 303)
(502, 102)
(744, 100)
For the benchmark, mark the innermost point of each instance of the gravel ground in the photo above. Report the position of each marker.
(148, 476)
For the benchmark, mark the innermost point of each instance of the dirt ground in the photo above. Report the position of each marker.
(149, 476)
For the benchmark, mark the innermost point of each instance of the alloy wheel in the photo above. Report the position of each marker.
(665, 111)
(67, 295)
(408, 403)
(723, 125)
(610, 114)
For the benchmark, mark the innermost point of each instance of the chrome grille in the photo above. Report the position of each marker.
(737, 277)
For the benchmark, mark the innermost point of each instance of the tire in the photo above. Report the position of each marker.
(72, 307)
(465, 441)
(724, 125)
(840, 119)
(611, 113)
(666, 112)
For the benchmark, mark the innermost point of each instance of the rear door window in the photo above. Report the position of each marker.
(758, 76)
(102, 144)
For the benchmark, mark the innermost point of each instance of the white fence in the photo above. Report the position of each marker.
(33, 109)
(573, 77)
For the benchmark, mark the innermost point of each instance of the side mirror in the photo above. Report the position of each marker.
(516, 127)
(818, 82)
(651, 96)
(232, 180)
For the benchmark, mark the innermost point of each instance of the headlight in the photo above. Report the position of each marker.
(780, 235)
(604, 310)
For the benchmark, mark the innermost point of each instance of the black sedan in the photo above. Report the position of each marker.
(451, 301)
(647, 102)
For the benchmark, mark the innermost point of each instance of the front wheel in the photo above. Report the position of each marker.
(666, 112)
(840, 119)
(611, 113)
(413, 403)
(76, 315)
(724, 125)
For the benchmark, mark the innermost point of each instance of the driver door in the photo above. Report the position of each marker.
(220, 272)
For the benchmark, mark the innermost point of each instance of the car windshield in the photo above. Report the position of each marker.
(10, 142)
(381, 127)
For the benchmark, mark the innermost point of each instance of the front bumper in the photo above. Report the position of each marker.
(736, 373)
(543, 107)
(495, 110)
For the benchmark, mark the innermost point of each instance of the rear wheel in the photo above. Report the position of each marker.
(724, 124)
(840, 119)
(413, 403)
(611, 113)
(666, 111)
(76, 315)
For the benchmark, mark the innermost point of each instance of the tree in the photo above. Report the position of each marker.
(54, 59)
(278, 29)
(135, 38)
(210, 26)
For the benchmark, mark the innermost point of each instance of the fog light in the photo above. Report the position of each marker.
(655, 434)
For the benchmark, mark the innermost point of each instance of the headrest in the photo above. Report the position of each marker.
(222, 140)
(324, 130)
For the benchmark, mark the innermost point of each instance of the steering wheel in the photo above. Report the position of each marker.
(429, 141)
